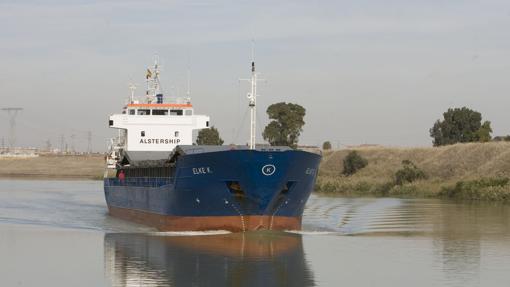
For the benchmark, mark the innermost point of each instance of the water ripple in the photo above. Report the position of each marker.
(351, 216)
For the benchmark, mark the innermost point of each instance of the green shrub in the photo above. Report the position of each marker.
(328, 187)
(482, 189)
(326, 145)
(353, 162)
(408, 173)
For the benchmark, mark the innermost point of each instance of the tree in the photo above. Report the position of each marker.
(353, 162)
(484, 132)
(460, 125)
(286, 125)
(326, 145)
(209, 136)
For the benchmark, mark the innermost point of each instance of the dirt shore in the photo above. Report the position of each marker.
(53, 167)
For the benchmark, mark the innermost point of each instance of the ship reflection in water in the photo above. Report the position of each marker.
(234, 259)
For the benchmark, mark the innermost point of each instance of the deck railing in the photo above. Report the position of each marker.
(139, 181)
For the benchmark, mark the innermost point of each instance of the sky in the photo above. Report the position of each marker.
(367, 72)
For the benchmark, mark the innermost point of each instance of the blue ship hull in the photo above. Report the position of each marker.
(236, 190)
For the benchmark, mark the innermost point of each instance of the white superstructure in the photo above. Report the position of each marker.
(154, 124)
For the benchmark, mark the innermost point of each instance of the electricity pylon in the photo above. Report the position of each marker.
(12, 112)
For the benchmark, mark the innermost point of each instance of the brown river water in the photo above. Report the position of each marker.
(58, 233)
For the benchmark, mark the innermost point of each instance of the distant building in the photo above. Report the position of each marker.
(19, 152)
(363, 146)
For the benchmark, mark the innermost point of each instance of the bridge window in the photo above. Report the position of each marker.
(144, 112)
(159, 112)
(189, 112)
(132, 111)
(176, 112)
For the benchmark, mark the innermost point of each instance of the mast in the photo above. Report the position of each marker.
(252, 97)
(132, 88)
(252, 101)
(157, 86)
(153, 84)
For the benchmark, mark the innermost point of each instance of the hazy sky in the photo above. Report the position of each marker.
(366, 71)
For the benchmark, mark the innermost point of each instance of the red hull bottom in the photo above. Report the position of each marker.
(201, 223)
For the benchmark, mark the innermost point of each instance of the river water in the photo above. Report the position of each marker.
(58, 233)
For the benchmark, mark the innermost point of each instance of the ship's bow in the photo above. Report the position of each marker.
(247, 189)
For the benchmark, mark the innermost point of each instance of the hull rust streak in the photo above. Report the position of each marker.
(202, 223)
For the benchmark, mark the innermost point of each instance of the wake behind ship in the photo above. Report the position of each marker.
(160, 179)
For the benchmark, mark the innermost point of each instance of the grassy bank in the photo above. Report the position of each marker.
(464, 171)
(53, 167)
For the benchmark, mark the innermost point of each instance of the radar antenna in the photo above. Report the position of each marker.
(153, 84)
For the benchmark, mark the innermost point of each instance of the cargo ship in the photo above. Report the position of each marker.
(156, 176)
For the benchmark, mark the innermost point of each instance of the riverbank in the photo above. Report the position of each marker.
(53, 167)
(478, 171)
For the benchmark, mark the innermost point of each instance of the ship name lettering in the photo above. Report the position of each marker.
(201, 170)
(160, 141)
(310, 171)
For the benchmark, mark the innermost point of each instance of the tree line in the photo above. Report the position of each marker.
(458, 125)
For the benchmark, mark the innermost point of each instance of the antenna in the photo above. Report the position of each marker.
(132, 87)
(188, 78)
(12, 112)
(253, 51)
(252, 98)
(188, 90)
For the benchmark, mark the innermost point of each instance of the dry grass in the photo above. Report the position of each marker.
(91, 167)
(444, 166)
